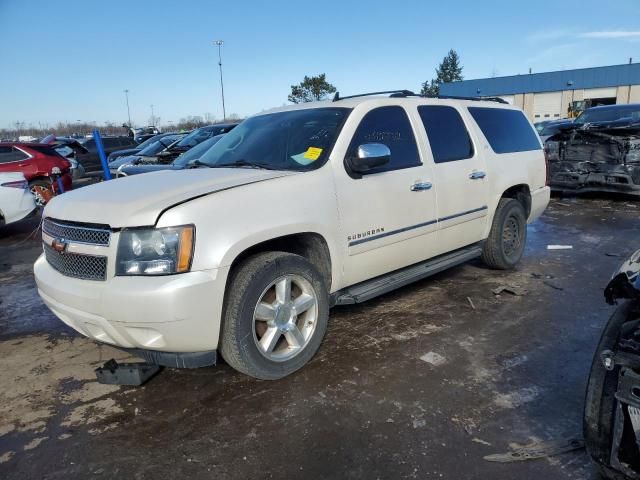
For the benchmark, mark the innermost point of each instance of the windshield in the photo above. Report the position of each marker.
(149, 141)
(195, 137)
(196, 152)
(159, 145)
(610, 114)
(549, 130)
(292, 140)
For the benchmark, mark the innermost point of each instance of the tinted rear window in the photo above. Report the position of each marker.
(11, 154)
(448, 136)
(45, 149)
(506, 130)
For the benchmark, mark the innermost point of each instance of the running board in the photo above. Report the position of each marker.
(399, 278)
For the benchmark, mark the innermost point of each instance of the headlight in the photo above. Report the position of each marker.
(155, 251)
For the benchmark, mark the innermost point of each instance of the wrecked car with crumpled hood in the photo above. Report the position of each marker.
(600, 151)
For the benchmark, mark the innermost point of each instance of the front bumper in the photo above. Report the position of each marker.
(173, 313)
(583, 177)
(594, 182)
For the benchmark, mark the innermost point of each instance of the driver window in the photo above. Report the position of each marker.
(391, 127)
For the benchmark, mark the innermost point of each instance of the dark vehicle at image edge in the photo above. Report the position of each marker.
(598, 152)
(612, 403)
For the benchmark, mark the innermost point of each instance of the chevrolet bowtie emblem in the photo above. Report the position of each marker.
(59, 245)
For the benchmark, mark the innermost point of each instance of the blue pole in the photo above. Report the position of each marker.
(60, 185)
(103, 156)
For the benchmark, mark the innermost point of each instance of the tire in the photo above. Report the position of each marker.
(505, 244)
(599, 403)
(42, 190)
(260, 327)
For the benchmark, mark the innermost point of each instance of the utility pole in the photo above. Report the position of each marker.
(126, 95)
(219, 43)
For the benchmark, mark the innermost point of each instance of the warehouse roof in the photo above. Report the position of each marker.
(596, 77)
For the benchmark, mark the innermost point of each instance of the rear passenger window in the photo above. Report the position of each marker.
(11, 154)
(447, 133)
(390, 126)
(506, 130)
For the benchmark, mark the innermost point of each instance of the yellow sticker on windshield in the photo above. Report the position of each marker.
(313, 153)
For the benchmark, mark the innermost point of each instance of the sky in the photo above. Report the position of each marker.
(72, 60)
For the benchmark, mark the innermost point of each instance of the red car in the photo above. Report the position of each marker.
(37, 162)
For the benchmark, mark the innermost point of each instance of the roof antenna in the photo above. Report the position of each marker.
(336, 97)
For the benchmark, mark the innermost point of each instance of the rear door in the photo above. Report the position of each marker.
(460, 174)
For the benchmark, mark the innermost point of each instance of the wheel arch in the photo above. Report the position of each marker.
(310, 245)
(39, 177)
(522, 193)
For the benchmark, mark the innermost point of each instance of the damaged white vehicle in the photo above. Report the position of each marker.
(294, 211)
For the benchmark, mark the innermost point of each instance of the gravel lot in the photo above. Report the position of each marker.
(420, 383)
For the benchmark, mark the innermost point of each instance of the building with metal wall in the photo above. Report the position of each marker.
(547, 96)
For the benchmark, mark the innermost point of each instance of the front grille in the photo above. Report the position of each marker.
(87, 267)
(79, 233)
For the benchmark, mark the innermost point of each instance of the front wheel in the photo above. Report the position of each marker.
(275, 316)
(504, 246)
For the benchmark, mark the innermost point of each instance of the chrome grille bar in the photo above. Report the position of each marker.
(78, 233)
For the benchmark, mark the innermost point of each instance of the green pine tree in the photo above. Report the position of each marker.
(449, 70)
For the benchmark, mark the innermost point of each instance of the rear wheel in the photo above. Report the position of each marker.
(275, 316)
(505, 244)
(42, 190)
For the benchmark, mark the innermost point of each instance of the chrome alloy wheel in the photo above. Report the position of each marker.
(285, 318)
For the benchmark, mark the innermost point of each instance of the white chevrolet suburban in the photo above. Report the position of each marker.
(294, 211)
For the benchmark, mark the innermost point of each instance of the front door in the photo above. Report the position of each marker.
(388, 217)
(460, 171)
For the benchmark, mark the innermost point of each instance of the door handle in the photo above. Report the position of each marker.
(476, 175)
(421, 186)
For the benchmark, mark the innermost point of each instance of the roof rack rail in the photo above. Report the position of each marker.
(395, 93)
(476, 99)
(409, 93)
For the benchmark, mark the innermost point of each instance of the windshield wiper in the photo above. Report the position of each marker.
(243, 164)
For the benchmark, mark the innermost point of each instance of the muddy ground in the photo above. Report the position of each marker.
(420, 383)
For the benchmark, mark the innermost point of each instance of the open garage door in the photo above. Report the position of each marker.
(547, 106)
(601, 96)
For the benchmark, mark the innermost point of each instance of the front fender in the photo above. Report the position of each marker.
(625, 283)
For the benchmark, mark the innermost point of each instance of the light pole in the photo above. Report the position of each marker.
(219, 43)
(126, 95)
(153, 117)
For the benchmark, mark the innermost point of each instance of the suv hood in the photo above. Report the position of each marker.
(138, 200)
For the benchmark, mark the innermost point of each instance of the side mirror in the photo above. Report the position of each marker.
(368, 157)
